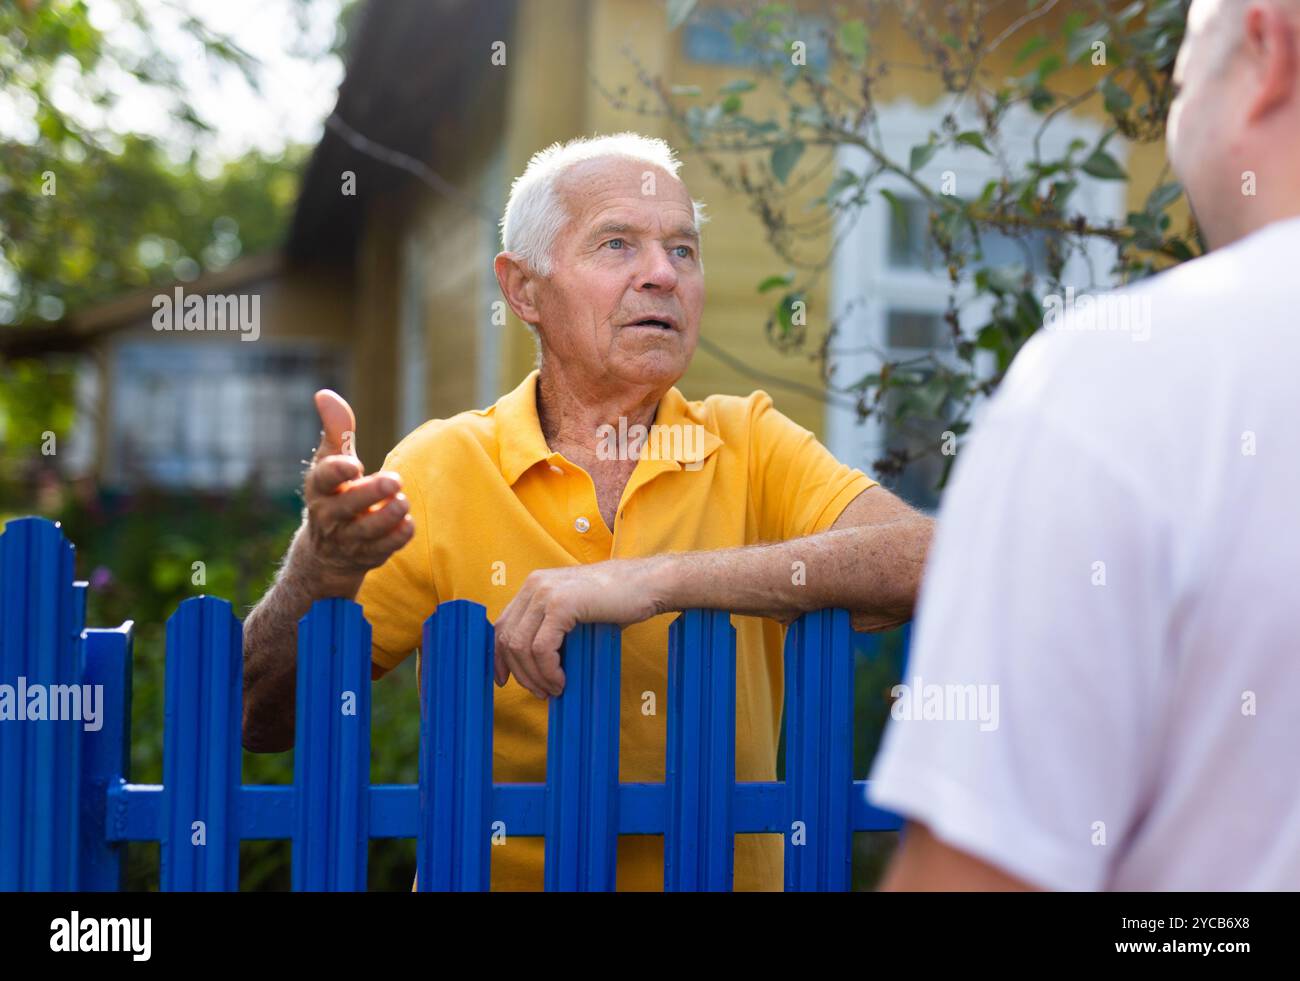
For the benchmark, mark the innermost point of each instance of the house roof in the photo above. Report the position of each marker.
(415, 76)
(73, 332)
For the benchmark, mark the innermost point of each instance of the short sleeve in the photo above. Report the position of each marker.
(399, 595)
(799, 486)
(1025, 733)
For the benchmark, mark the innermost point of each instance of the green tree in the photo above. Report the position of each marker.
(835, 103)
(87, 212)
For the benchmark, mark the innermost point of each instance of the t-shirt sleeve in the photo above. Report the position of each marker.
(799, 487)
(399, 595)
(1025, 736)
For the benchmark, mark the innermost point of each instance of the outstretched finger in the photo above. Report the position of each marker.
(338, 425)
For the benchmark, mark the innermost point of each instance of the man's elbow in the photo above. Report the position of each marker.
(910, 545)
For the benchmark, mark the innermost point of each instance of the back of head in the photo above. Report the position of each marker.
(1234, 128)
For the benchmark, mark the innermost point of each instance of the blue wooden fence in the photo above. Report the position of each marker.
(67, 806)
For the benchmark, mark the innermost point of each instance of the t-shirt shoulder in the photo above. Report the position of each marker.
(435, 439)
(730, 414)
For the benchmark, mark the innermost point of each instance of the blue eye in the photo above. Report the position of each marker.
(613, 240)
(687, 249)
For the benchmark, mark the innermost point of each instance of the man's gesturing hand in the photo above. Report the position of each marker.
(552, 602)
(353, 523)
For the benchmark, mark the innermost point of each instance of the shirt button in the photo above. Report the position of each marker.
(582, 524)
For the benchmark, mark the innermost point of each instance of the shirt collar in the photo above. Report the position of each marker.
(522, 445)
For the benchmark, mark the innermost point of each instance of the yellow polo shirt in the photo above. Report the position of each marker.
(492, 502)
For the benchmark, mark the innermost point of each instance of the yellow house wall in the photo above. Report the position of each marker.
(551, 98)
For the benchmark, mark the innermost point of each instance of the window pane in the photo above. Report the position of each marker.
(911, 329)
(916, 435)
(910, 246)
(214, 416)
(909, 235)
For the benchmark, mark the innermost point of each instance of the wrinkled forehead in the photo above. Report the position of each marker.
(593, 186)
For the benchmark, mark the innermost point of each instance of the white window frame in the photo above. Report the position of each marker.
(864, 287)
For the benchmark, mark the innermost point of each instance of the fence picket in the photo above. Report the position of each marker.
(41, 613)
(819, 752)
(105, 755)
(700, 767)
(582, 740)
(201, 748)
(455, 749)
(332, 749)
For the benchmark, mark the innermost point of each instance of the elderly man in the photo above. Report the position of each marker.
(532, 509)
(1119, 547)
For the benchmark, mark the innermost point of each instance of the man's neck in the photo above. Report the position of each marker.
(1272, 205)
(572, 413)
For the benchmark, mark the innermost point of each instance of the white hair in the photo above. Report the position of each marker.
(536, 213)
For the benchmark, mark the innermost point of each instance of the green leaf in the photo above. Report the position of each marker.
(737, 87)
(1114, 97)
(972, 138)
(853, 39)
(896, 206)
(1061, 191)
(731, 105)
(784, 158)
(678, 12)
(1031, 48)
(1047, 66)
(1163, 196)
(920, 156)
(772, 282)
(1104, 167)
(1131, 11)
(842, 182)
(1080, 45)
(785, 314)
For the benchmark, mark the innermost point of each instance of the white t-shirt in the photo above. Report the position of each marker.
(1116, 571)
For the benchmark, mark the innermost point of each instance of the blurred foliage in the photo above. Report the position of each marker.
(87, 212)
(137, 554)
(1111, 59)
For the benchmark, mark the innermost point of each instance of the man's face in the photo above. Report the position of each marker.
(629, 253)
(1202, 120)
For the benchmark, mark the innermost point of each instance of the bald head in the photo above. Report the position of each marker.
(1234, 129)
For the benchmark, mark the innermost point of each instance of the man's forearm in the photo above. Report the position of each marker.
(271, 650)
(874, 571)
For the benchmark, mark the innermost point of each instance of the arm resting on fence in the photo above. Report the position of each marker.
(868, 563)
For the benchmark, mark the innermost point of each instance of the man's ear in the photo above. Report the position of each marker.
(1270, 43)
(517, 283)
